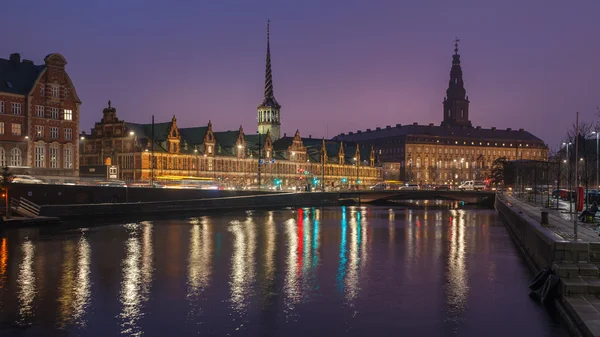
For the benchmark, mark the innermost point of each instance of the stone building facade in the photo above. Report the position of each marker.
(39, 118)
(450, 153)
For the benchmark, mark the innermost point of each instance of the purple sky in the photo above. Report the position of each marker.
(346, 64)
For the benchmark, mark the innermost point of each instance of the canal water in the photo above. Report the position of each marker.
(340, 271)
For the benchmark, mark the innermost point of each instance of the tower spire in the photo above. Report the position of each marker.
(269, 99)
(268, 111)
(456, 102)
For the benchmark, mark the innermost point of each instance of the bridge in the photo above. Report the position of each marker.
(470, 197)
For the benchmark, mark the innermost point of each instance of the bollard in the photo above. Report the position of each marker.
(545, 218)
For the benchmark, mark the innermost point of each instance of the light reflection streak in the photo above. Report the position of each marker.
(271, 245)
(341, 274)
(137, 277)
(3, 262)
(82, 283)
(457, 288)
(199, 262)
(26, 282)
(351, 279)
(292, 295)
(242, 262)
(67, 284)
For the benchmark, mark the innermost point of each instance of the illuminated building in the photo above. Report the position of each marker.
(39, 118)
(452, 152)
(230, 158)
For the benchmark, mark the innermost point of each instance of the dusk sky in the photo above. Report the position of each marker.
(338, 66)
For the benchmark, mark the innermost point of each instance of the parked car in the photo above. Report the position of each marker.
(442, 188)
(410, 187)
(24, 179)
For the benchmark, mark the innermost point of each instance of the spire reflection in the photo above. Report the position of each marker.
(291, 288)
(26, 282)
(199, 262)
(137, 277)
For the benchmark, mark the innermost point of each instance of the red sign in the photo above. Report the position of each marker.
(580, 199)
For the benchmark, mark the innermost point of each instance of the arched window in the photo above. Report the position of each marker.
(2, 157)
(15, 157)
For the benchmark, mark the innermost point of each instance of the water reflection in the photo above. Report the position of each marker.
(457, 286)
(26, 282)
(242, 262)
(292, 288)
(199, 262)
(74, 287)
(3, 262)
(137, 277)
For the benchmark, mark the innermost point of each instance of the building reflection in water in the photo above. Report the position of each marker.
(270, 249)
(457, 287)
(3, 262)
(242, 262)
(67, 284)
(26, 282)
(353, 252)
(137, 276)
(199, 261)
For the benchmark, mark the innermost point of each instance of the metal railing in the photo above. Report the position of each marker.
(24, 207)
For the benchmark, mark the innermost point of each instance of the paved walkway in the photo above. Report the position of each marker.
(560, 221)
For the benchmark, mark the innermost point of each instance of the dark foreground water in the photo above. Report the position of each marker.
(304, 272)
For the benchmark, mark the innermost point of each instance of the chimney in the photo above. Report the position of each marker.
(368, 130)
(350, 133)
(521, 130)
(377, 128)
(508, 129)
(493, 128)
(388, 127)
(358, 131)
(415, 123)
(478, 128)
(430, 124)
(309, 136)
(286, 135)
(15, 58)
(398, 125)
(342, 134)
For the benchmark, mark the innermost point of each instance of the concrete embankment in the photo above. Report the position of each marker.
(571, 266)
(110, 210)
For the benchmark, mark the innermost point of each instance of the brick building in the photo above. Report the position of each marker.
(39, 118)
(452, 152)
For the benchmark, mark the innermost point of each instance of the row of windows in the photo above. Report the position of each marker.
(39, 132)
(473, 151)
(15, 158)
(15, 129)
(16, 109)
(41, 161)
(54, 91)
(40, 111)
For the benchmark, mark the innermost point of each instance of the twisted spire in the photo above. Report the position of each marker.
(269, 99)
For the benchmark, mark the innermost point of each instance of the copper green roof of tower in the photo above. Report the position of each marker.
(269, 99)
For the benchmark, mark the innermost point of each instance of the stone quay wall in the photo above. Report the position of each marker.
(115, 210)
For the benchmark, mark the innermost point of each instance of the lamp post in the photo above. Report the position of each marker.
(597, 156)
(568, 161)
(357, 178)
(131, 133)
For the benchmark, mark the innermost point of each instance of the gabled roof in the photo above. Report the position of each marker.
(193, 135)
(19, 78)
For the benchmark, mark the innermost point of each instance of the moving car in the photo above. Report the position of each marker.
(379, 187)
(25, 179)
(410, 187)
(442, 188)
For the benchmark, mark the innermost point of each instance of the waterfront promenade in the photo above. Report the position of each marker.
(554, 245)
